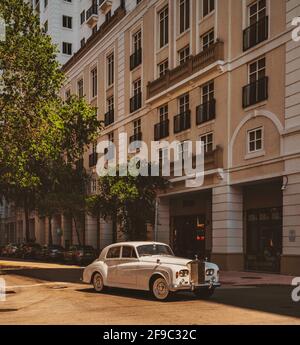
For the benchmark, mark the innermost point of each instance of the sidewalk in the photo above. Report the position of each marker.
(252, 278)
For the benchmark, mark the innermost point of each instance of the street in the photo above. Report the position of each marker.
(53, 294)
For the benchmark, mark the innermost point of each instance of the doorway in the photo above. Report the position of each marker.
(264, 239)
(189, 236)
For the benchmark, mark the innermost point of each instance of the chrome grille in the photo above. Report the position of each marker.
(197, 272)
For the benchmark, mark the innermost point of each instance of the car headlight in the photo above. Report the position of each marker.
(210, 272)
(182, 273)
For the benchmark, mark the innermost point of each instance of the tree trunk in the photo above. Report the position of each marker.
(77, 232)
(98, 232)
(83, 229)
(27, 226)
(50, 238)
(114, 229)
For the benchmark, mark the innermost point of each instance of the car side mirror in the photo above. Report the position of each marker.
(158, 261)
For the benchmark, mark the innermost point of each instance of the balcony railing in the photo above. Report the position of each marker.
(182, 121)
(109, 118)
(136, 102)
(206, 112)
(135, 137)
(93, 157)
(255, 92)
(92, 15)
(256, 33)
(194, 64)
(136, 59)
(161, 130)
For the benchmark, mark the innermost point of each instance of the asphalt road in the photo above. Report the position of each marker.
(54, 295)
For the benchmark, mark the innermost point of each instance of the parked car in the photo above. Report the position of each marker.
(30, 250)
(151, 266)
(9, 250)
(52, 252)
(80, 255)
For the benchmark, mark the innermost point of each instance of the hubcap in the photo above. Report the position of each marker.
(98, 283)
(160, 289)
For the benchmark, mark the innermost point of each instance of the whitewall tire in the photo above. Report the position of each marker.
(98, 282)
(160, 289)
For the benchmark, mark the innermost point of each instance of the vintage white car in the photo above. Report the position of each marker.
(150, 266)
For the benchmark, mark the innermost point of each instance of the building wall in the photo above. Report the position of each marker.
(278, 115)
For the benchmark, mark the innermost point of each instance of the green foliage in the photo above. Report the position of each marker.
(128, 200)
(37, 128)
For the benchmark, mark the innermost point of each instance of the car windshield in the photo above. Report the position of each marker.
(154, 249)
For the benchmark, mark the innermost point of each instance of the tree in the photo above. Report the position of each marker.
(36, 126)
(128, 201)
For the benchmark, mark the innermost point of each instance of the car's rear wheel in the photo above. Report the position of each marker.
(160, 289)
(204, 293)
(98, 282)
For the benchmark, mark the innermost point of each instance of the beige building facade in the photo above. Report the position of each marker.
(226, 73)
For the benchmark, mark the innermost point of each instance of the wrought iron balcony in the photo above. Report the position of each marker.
(255, 92)
(136, 102)
(136, 59)
(182, 121)
(206, 112)
(135, 137)
(109, 118)
(92, 15)
(161, 130)
(256, 33)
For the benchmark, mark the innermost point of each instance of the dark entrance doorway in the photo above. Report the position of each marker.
(189, 236)
(264, 239)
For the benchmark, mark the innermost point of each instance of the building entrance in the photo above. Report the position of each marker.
(264, 239)
(189, 236)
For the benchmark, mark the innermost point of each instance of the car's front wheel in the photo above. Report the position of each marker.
(98, 282)
(160, 289)
(204, 293)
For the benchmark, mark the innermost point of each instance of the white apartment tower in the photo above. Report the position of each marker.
(70, 23)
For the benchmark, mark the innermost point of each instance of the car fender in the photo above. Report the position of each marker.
(90, 270)
(164, 272)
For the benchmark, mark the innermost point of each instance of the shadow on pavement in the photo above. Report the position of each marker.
(68, 275)
(275, 299)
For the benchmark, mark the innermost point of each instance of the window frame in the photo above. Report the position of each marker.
(184, 16)
(163, 23)
(206, 142)
(249, 141)
(94, 81)
(110, 61)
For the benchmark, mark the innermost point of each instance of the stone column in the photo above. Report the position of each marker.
(227, 228)
(40, 230)
(290, 260)
(163, 224)
(106, 235)
(90, 231)
(66, 225)
(56, 224)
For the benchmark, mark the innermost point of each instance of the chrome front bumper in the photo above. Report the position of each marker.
(192, 287)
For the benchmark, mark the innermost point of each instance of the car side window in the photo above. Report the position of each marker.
(113, 253)
(128, 252)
